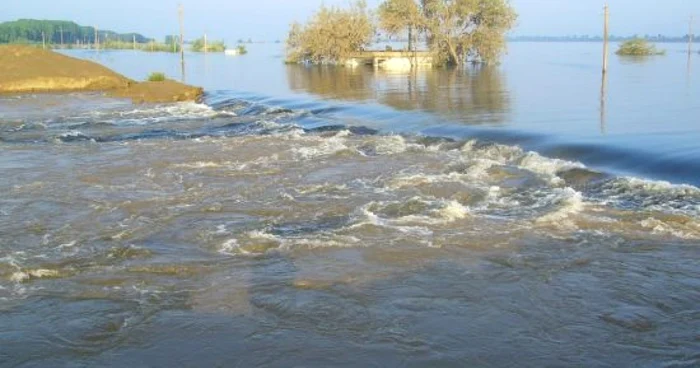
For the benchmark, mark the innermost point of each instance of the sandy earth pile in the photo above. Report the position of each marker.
(25, 69)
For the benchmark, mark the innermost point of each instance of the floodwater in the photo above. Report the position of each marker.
(521, 215)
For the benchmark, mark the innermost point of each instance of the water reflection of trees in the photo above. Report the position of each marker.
(475, 95)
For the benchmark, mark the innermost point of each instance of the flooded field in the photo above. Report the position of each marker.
(304, 216)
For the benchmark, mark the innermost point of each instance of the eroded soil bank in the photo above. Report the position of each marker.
(25, 69)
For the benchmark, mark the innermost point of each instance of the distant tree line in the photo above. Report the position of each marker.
(613, 38)
(34, 31)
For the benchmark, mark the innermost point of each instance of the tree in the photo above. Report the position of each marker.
(395, 16)
(331, 34)
(461, 30)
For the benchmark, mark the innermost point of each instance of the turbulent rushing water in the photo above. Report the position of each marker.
(242, 233)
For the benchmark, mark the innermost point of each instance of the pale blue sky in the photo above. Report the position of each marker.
(269, 19)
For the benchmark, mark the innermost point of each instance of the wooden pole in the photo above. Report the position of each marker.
(690, 36)
(97, 40)
(182, 41)
(605, 39)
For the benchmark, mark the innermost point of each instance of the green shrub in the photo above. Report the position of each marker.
(242, 50)
(638, 47)
(214, 46)
(156, 77)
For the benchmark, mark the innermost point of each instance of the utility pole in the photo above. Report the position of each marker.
(690, 36)
(182, 41)
(97, 40)
(605, 39)
(61, 36)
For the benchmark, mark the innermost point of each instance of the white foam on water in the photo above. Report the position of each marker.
(67, 245)
(569, 203)
(654, 195)
(500, 153)
(73, 134)
(438, 212)
(326, 147)
(23, 276)
(688, 231)
(231, 247)
(203, 165)
(453, 211)
(548, 167)
(322, 241)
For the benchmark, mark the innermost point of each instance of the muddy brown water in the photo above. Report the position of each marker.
(248, 231)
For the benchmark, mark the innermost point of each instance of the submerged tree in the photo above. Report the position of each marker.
(396, 16)
(331, 34)
(456, 30)
(638, 47)
(461, 30)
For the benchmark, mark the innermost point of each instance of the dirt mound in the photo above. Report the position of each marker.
(25, 69)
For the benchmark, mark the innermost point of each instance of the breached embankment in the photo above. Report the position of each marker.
(25, 69)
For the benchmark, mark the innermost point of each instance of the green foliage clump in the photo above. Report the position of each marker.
(156, 77)
(638, 47)
(331, 34)
(242, 50)
(214, 46)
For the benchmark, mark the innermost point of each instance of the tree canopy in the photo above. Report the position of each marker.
(463, 30)
(396, 16)
(331, 34)
(456, 30)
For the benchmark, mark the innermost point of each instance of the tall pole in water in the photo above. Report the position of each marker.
(43, 40)
(605, 39)
(97, 40)
(690, 36)
(61, 36)
(134, 41)
(182, 41)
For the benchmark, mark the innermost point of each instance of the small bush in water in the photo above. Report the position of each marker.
(638, 47)
(156, 77)
(242, 50)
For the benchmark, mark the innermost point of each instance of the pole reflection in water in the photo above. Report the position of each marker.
(603, 102)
